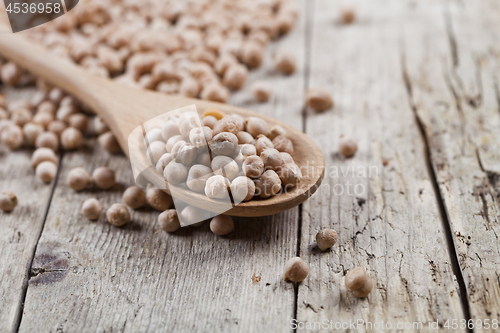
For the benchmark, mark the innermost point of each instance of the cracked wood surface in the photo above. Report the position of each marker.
(390, 222)
(457, 102)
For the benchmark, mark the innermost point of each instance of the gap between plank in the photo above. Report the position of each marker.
(27, 277)
(443, 212)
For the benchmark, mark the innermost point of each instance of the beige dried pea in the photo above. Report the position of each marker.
(296, 270)
(358, 282)
(326, 238)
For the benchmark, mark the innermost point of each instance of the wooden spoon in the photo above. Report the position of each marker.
(125, 108)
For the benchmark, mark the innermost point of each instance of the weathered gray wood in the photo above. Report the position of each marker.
(21, 228)
(453, 74)
(93, 277)
(391, 226)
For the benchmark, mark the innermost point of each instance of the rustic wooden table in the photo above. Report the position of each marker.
(416, 83)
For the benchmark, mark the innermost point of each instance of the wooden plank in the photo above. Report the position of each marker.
(456, 97)
(384, 207)
(21, 228)
(95, 277)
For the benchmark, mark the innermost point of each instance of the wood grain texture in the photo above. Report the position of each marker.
(21, 228)
(452, 69)
(93, 277)
(382, 201)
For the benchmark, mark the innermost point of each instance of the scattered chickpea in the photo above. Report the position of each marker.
(100, 126)
(235, 76)
(261, 91)
(169, 221)
(8, 201)
(43, 119)
(12, 137)
(92, 209)
(10, 73)
(326, 238)
(21, 116)
(47, 140)
(222, 225)
(347, 15)
(158, 199)
(318, 99)
(285, 62)
(79, 121)
(47, 107)
(252, 54)
(46, 171)
(78, 179)
(215, 92)
(56, 127)
(41, 155)
(104, 178)
(118, 215)
(71, 139)
(109, 143)
(358, 282)
(134, 197)
(347, 147)
(296, 270)
(253, 166)
(242, 189)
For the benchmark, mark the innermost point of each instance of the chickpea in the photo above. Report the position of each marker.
(347, 147)
(169, 221)
(12, 137)
(104, 178)
(92, 209)
(261, 91)
(47, 140)
(248, 150)
(79, 121)
(283, 144)
(186, 154)
(21, 116)
(256, 126)
(287, 158)
(347, 15)
(318, 99)
(31, 131)
(100, 126)
(290, 175)
(268, 184)
(275, 131)
(47, 107)
(296, 270)
(170, 129)
(358, 282)
(41, 155)
(198, 176)
(223, 143)
(43, 118)
(232, 124)
(19, 104)
(71, 139)
(242, 189)
(153, 135)
(225, 166)
(253, 166)
(285, 62)
(11, 73)
(65, 111)
(235, 76)
(224, 61)
(109, 143)
(118, 215)
(200, 136)
(272, 159)
(245, 138)
(187, 122)
(216, 187)
(262, 143)
(163, 162)
(252, 54)
(326, 238)
(175, 173)
(209, 121)
(215, 92)
(78, 179)
(8, 201)
(46, 171)
(56, 127)
(158, 199)
(222, 225)
(204, 158)
(193, 216)
(156, 150)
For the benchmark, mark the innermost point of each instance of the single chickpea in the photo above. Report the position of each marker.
(21, 116)
(170, 129)
(104, 178)
(262, 143)
(100, 126)
(47, 107)
(253, 166)
(11, 73)
(223, 143)
(283, 144)
(245, 138)
(215, 92)
(267, 185)
(71, 139)
(235, 76)
(284, 23)
(256, 126)
(189, 87)
(158, 199)
(46, 171)
(326, 238)
(78, 179)
(290, 175)
(261, 91)
(92, 209)
(272, 159)
(198, 176)
(109, 143)
(232, 124)
(8, 201)
(56, 95)
(296, 270)
(347, 147)
(204, 158)
(79, 121)
(247, 150)
(287, 158)
(173, 141)
(12, 137)
(175, 173)
(65, 111)
(347, 15)
(186, 154)
(193, 216)
(163, 162)
(153, 135)
(242, 189)
(187, 122)
(169, 221)
(225, 166)
(209, 121)
(41, 155)
(39, 97)
(118, 215)
(224, 61)
(156, 150)
(43, 118)
(285, 62)
(31, 131)
(275, 131)
(222, 225)
(252, 54)
(47, 140)
(318, 99)
(358, 282)
(216, 187)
